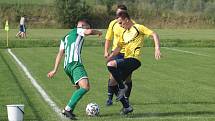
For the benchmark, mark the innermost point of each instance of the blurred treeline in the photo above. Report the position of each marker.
(153, 13)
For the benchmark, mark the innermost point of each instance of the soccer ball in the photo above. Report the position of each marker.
(92, 109)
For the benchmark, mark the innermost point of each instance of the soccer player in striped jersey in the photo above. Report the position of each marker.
(132, 40)
(70, 48)
(114, 31)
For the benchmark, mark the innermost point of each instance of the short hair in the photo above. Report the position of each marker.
(123, 15)
(83, 23)
(122, 7)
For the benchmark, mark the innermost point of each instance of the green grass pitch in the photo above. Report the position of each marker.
(179, 87)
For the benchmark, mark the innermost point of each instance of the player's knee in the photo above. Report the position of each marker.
(112, 82)
(87, 88)
(112, 63)
(84, 83)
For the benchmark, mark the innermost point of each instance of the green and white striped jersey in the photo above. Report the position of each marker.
(72, 45)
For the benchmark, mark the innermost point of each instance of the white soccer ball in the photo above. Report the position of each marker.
(92, 109)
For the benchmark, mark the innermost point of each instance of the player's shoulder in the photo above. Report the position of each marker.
(133, 21)
(72, 32)
(139, 26)
(113, 22)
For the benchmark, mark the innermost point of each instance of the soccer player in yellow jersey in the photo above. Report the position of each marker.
(132, 41)
(113, 34)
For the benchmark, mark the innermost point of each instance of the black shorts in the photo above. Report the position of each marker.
(118, 56)
(22, 28)
(127, 66)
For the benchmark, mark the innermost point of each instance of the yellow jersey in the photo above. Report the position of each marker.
(132, 40)
(114, 32)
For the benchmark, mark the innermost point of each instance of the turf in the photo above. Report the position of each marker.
(16, 89)
(56, 34)
(169, 38)
(178, 87)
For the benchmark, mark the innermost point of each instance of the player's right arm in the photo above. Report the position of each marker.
(57, 61)
(116, 51)
(108, 38)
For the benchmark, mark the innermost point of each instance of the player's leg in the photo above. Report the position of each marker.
(76, 96)
(115, 71)
(24, 32)
(116, 67)
(18, 34)
(22, 29)
(127, 66)
(112, 84)
(79, 77)
(128, 82)
(112, 89)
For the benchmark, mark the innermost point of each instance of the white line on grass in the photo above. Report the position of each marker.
(184, 51)
(37, 86)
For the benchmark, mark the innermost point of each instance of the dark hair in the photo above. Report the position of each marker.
(123, 15)
(84, 20)
(123, 7)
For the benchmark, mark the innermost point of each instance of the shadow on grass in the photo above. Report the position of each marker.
(175, 103)
(170, 114)
(165, 114)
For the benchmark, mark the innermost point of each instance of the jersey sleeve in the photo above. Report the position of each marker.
(61, 45)
(145, 30)
(80, 31)
(110, 33)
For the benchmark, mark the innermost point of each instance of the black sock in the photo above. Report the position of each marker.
(128, 92)
(116, 89)
(110, 91)
(124, 102)
(117, 76)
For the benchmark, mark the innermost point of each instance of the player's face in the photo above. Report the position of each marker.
(123, 22)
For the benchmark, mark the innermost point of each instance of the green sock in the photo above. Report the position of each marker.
(77, 95)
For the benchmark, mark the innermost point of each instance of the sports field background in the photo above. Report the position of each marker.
(179, 87)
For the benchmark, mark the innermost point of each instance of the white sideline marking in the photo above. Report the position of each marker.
(172, 118)
(184, 51)
(37, 86)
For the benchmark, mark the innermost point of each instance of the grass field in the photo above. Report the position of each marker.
(56, 34)
(180, 87)
(169, 38)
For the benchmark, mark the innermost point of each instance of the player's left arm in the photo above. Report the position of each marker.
(157, 45)
(155, 37)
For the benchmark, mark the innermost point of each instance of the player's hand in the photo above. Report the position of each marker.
(99, 34)
(51, 74)
(108, 58)
(157, 54)
(106, 54)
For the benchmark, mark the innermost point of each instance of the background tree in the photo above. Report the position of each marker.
(70, 11)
